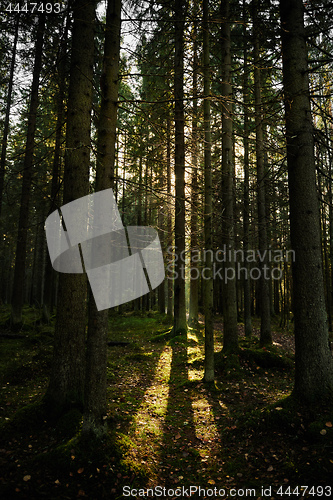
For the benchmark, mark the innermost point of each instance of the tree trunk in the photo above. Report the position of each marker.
(265, 305)
(66, 385)
(7, 115)
(180, 326)
(208, 210)
(96, 363)
(314, 364)
(49, 274)
(246, 206)
(230, 332)
(20, 255)
(194, 271)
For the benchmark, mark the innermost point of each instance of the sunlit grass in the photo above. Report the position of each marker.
(146, 431)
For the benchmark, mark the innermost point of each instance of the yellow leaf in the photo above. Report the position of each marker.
(323, 432)
(211, 481)
(27, 478)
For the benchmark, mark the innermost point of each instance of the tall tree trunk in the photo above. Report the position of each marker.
(314, 364)
(7, 115)
(169, 221)
(246, 206)
(194, 272)
(208, 210)
(265, 305)
(230, 333)
(49, 274)
(180, 325)
(66, 387)
(20, 255)
(96, 364)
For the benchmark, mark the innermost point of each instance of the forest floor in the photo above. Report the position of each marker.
(240, 437)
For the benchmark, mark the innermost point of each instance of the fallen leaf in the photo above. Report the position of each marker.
(328, 424)
(27, 478)
(270, 468)
(80, 470)
(323, 432)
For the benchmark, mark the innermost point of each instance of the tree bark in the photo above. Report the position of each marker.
(208, 210)
(21, 247)
(246, 205)
(314, 364)
(265, 305)
(180, 325)
(66, 386)
(7, 114)
(96, 362)
(230, 332)
(194, 272)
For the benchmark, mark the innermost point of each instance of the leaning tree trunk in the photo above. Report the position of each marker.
(229, 300)
(20, 255)
(314, 364)
(180, 325)
(66, 387)
(96, 365)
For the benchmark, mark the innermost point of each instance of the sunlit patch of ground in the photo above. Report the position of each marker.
(146, 430)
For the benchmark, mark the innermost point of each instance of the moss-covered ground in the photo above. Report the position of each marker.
(166, 427)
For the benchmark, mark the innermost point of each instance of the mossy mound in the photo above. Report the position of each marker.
(228, 365)
(266, 358)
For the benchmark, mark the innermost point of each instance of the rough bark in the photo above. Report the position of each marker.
(96, 362)
(194, 279)
(246, 191)
(264, 282)
(21, 246)
(66, 387)
(49, 273)
(314, 364)
(7, 114)
(180, 325)
(208, 210)
(230, 333)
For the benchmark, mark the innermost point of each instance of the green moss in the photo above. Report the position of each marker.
(266, 359)
(69, 424)
(28, 418)
(228, 365)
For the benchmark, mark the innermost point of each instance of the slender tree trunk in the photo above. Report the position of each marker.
(246, 206)
(169, 221)
(7, 115)
(265, 305)
(66, 387)
(194, 273)
(208, 210)
(20, 255)
(314, 364)
(180, 325)
(49, 274)
(230, 332)
(96, 364)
